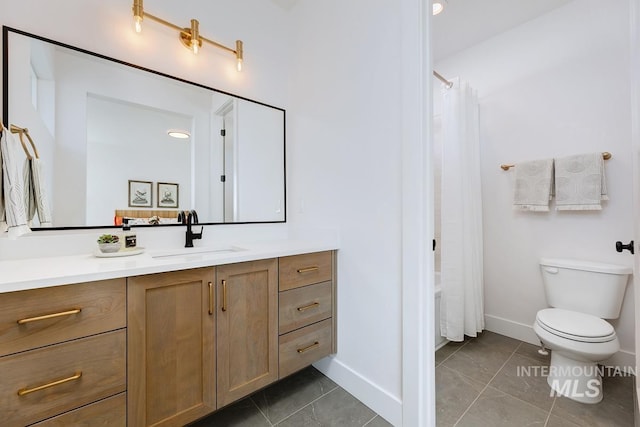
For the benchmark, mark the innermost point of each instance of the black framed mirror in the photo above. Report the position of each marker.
(101, 126)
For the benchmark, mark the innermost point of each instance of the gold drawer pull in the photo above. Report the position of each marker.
(49, 316)
(307, 307)
(210, 298)
(308, 269)
(224, 295)
(309, 347)
(74, 377)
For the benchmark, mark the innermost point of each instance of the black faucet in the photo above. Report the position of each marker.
(192, 218)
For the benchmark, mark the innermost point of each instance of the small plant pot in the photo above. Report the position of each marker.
(109, 247)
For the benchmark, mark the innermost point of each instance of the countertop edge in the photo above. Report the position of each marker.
(34, 273)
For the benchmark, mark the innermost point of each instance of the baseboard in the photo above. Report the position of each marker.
(511, 329)
(386, 405)
(623, 359)
(441, 344)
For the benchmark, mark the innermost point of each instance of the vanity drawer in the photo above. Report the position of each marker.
(110, 412)
(305, 269)
(49, 381)
(303, 347)
(40, 317)
(302, 306)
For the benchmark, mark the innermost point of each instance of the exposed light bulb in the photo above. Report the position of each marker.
(239, 55)
(437, 7)
(138, 23)
(195, 36)
(138, 14)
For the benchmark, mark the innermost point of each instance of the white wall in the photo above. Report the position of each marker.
(345, 123)
(555, 86)
(635, 134)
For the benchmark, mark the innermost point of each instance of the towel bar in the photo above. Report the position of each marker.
(605, 155)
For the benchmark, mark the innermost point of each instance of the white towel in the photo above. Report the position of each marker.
(15, 213)
(580, 182)
(34, 192)
(533, 185)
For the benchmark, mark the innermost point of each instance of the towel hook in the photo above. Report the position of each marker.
(21, 132)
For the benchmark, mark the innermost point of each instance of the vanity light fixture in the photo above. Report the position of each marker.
(190, 37)
(177, 133)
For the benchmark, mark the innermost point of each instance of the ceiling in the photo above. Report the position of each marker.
(285, 4)
(464, 23)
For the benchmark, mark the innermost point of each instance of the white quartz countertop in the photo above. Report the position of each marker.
(32, 273)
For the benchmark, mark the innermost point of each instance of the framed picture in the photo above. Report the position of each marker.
(167, 195)
(140, 194)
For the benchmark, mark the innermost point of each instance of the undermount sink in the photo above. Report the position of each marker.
(196, 253)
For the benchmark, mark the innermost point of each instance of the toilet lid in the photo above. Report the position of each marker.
(575, 326)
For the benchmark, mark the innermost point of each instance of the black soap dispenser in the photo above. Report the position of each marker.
(129, 238)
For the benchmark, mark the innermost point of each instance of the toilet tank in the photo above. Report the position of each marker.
(587, 287)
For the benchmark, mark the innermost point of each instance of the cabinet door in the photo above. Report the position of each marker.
(171, 347)
(247, 328)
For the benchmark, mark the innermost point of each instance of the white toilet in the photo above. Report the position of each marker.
(582, 294)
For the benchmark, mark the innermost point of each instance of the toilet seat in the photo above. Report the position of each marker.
(575, 326)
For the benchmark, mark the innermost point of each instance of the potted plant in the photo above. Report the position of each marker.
(109, 243)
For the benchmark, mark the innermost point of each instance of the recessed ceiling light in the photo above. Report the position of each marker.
(177, 133)
(437, 7)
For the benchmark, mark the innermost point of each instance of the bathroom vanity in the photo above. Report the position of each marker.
(160, 341)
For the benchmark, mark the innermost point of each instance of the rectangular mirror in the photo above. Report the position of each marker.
(101, 127)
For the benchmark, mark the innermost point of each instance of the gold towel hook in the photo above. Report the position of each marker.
(33, 144)
(21, 132)
(605, 155)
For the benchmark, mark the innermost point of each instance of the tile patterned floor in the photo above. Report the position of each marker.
(304, 399)
(477, 385)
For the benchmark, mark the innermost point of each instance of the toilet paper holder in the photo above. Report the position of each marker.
(629, 246)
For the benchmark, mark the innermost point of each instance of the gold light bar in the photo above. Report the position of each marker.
(190, 37)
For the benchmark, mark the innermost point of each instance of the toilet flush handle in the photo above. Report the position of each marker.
(551, 270)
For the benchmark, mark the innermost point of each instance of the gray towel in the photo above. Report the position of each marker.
(580, 182)
(533, 185)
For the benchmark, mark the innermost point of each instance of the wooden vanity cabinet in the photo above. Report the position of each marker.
(162, 349)
(40, 317)
(111, 412)
(306, 310)
(171, 347)
(63, 354)
(247, 328)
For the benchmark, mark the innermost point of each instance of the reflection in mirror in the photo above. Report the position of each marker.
(100, 123)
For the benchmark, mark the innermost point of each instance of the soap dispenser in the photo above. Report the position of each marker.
(129, 238)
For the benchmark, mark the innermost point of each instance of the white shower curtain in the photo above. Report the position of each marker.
(462, 305)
